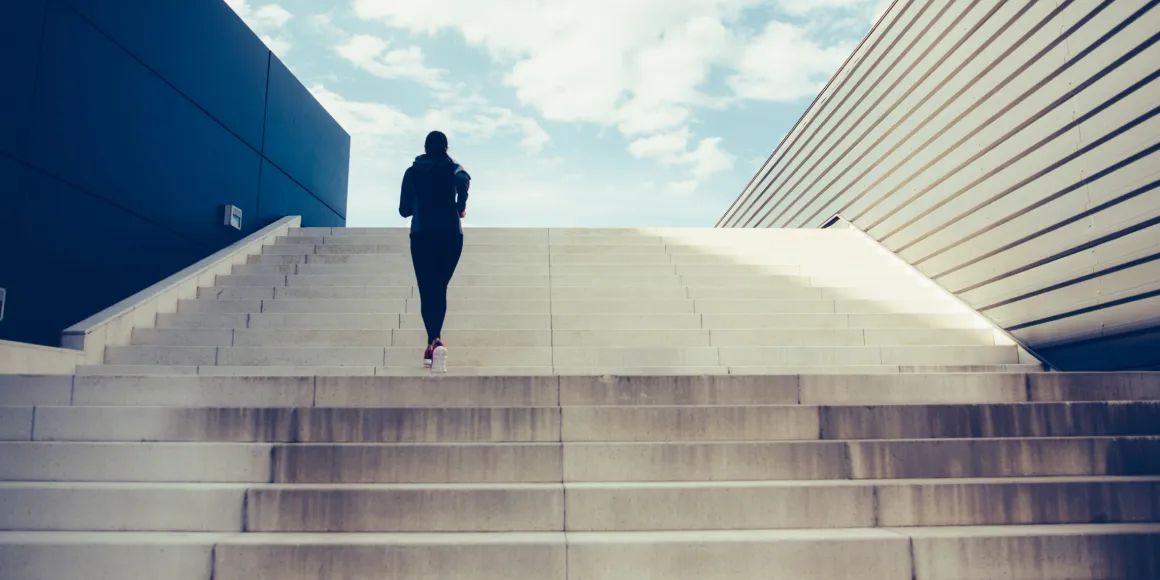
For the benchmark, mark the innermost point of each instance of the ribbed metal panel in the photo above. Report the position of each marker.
(1010, 150)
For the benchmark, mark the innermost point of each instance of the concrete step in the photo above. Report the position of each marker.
(759, 307)
(773, 356)
(586, 424)
(471, 258)
(740, 245)
(837, 264)
(561, 306)
(358, 321)
(357, 338)
(569, 293)
(851, 337)
(893, 321)
(566, 356)
(364, 321)
(135, 462)
(474, 322)
(122, 507)
(475, 239)
(610, 507)
(605, 338)
(807, 293)
(625, 321)
(786, 243)
(591, 507)
(400, 279)
(712, 461)
(1108, 552)
(383, 391)
(87, 555)
(813, 275)
(1041, 552)
(462, 271)
(397, 306)
(309, 424)
(322, 356)
(403, 249)
(839, 254)
(415, 336)
(410, 368)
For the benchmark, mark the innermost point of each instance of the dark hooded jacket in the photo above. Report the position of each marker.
(434, 193)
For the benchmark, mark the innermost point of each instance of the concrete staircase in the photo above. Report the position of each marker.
(623, 405)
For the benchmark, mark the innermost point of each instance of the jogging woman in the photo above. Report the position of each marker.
(434, 196)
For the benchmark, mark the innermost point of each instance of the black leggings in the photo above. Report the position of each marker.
(435, 257)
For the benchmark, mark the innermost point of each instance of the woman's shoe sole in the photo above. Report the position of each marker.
(439, 360)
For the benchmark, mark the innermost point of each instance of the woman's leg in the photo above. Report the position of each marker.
(424, 260)
(450, 248)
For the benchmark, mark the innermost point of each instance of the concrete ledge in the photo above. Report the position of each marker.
(521, 556)
(105, 556)
(114, 325)
(18, 358)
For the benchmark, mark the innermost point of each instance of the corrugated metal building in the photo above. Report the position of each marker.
(1008, 150)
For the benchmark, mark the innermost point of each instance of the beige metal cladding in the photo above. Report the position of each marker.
(1010, 150)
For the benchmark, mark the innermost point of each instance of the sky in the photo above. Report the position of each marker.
(566, 113)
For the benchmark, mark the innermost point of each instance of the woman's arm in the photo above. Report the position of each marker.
(407, 196)
(462, 184)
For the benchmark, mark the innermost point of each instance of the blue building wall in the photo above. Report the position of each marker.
(124, 128)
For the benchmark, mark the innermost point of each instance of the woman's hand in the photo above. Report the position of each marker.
(463, 214)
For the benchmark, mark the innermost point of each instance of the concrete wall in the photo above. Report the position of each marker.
(1009, 150)
(124, 128)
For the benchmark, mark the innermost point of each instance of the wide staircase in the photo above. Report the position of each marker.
(621, 405)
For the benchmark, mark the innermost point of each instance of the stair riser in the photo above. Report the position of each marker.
(582, 424)
(751, 308)
(540, 508)
(565, 356)
(540, 559)
(873, 554)
(410, 510)
(856, 460)
(292, 391)
(718, 461)
(564, 293)
(141, 462)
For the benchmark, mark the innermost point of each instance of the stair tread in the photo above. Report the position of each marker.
(499, 538)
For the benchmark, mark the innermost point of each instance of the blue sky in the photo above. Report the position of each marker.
(588, 113)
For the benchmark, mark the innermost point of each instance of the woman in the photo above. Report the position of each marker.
(434, 196)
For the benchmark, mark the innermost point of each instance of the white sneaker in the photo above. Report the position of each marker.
(439, 358)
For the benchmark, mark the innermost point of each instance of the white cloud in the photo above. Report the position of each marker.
(598, 61)
(267, 21)
(380, 132)
(530, 192)
(801, 7)
(642, 66)
(781, 64)
(670, 149)
(271, 16)
(372, 55)
(472, 121)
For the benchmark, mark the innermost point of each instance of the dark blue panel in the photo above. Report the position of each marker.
(200, 46)
(21, 23)
(12, 197)
(105, 123)
(304, 140)
(81, 255)
(1134, 350)
(281, 196)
